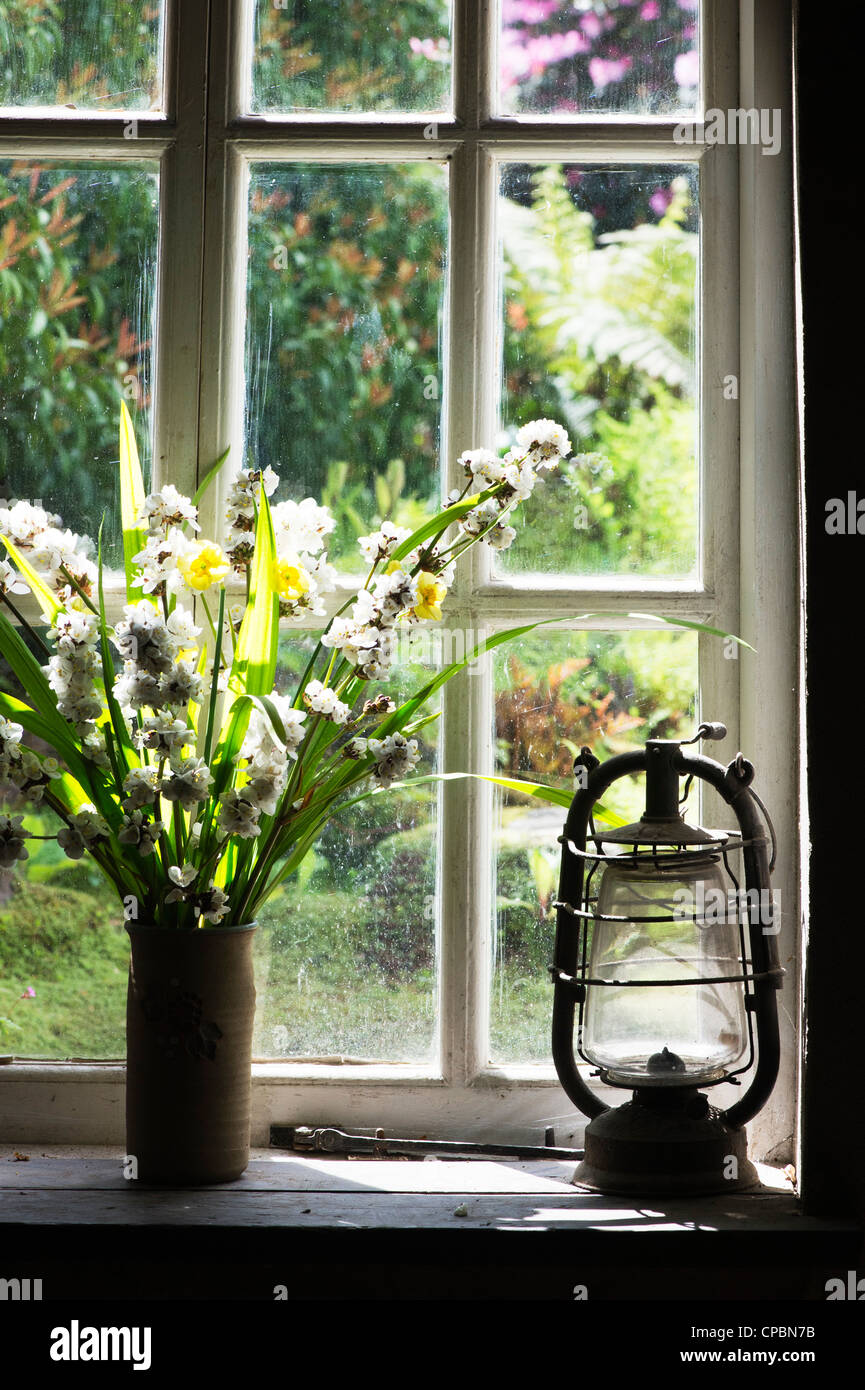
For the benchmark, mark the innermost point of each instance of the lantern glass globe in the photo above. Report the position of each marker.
(685, 1034)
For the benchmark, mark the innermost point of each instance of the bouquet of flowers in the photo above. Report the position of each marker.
(175, 764)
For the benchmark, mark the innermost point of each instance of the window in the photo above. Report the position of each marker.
(361, 240)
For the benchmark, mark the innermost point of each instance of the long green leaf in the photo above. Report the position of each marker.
(48, 601)
(210, 476)
(440, 522)
(118, 723)
(58, 738)
(30, 674)
(254, 666)
(131, 502)
(697, 627)
(214, 676)
(556, 796)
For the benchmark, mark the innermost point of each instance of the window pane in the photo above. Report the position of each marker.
(554, 694)
(352, 55)
(343, 354)
(346, 948)
(77, 285)
(598, 57)
(600, 276)
(89, 54)
(64, 953)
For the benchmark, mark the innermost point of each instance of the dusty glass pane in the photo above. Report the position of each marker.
(88, 54)
(599, 57)
(346, 948)
(553, 694)
(600, 275)
(352, 55)
(343, 350)
(77, 288)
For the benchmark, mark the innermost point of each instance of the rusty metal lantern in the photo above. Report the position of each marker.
(666, 974)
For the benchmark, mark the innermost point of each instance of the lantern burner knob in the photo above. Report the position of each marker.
(665, 1061)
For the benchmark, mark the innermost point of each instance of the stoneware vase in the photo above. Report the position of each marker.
(189, 1015)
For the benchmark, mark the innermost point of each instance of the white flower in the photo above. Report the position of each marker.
(163, 735)
(75, 666)
(181, 878)
(189, 782)
(261, 738)
(53, 550)
(383, 542)
(168, 508)
(142, 636)
(89, 823)
(10, 741)
(240, 513)
(71, 842)
(160, 559)
(137, 688)
(140, 832)
(12, 839)
(85, 828)
(544, 443)
(238, 815)
(141, 785)
(482, 466)
(481, 518)
(322, 700)
(212, 904)
(500, 537)
(301, 526)
(519, 475)
(265, 784)
(74, 630)
(10, 580)
(181, 625)
(181, 684)
(394, 757)
(370, 649)
(23, 523)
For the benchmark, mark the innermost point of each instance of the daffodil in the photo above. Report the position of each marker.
(431, 591)
(203, 565)
(290, 580)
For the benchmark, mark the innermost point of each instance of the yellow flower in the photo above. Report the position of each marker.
(431, 591)
(203, 566)
(290, 580)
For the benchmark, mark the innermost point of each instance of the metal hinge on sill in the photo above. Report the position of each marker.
(328, 1139)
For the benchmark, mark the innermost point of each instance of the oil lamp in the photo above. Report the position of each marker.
(666, 974)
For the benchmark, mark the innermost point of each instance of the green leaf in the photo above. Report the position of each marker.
(214, 680)
(118, 723)
(131, 502)
(209, 477)
(54, 731)
(556, 796)
(254, 666)
(697, 627)
(440, 522)
(30, 674)
(48, 601)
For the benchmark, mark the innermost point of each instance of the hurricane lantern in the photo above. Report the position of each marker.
(666, 973)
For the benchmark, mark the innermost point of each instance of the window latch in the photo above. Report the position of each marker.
(328, 1139)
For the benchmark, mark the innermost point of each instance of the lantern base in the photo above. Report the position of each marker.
(665, 1142)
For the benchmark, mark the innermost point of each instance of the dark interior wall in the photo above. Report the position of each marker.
(831, 116)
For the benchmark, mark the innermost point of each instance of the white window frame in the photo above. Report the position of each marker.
(749, 579)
